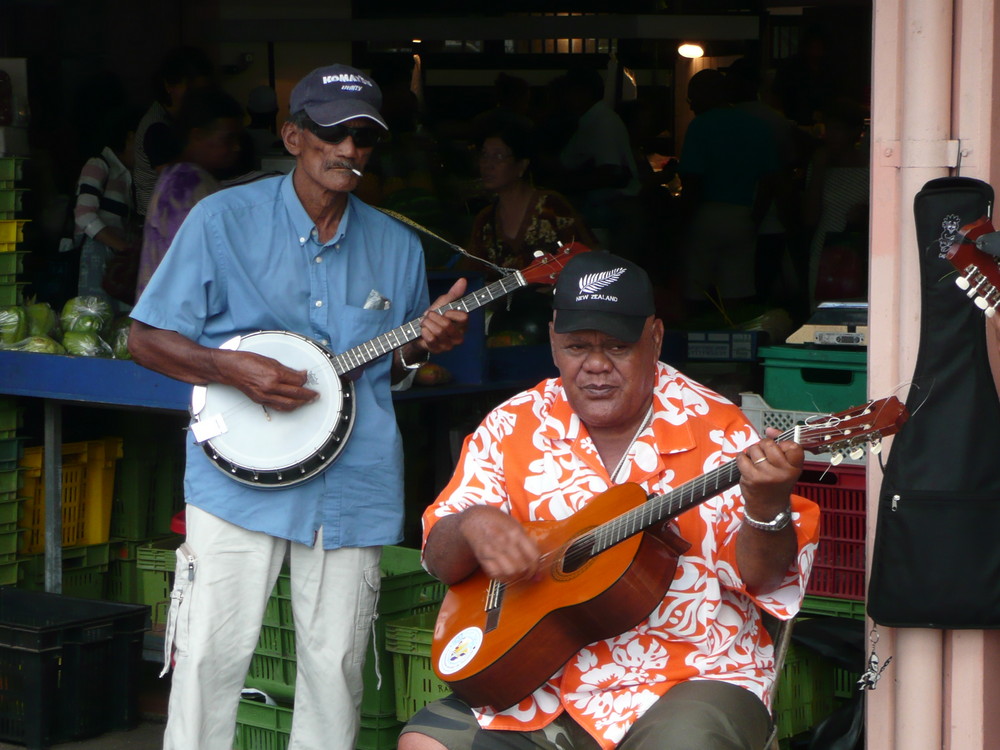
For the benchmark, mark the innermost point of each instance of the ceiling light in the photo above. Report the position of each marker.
(689, 49)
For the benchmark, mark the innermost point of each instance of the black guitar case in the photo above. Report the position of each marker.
(936, 561)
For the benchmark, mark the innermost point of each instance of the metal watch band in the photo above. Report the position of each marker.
(415, 365)
(779, 522)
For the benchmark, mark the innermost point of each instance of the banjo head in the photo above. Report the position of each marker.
(267, 448)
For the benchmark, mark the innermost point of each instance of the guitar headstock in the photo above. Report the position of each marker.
(979, 272)
(546, 269)
(847, 432)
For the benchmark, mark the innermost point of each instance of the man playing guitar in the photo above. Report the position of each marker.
(695, 672)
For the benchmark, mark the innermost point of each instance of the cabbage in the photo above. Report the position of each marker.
(85, 344)
(40, 344)
(13, 324)
(42, 320)
(119, 337)
(86, 315)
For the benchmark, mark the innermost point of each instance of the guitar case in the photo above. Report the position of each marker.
(936, 561)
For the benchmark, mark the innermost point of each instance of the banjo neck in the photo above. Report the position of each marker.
(371, 350)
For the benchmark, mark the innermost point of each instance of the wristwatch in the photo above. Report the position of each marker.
(415, 365)
(777, 523)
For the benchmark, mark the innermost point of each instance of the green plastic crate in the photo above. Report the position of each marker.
(263, 727)
(805, 692)
(11, 168)
(815, 380)
(84, 571)
(11, 263)
(12, 199)
(409, 639)
(10, 508)
(833, 607)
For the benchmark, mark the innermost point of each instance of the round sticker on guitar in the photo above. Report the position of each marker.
(460, 650)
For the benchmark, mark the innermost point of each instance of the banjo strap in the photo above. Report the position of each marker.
(424, 230)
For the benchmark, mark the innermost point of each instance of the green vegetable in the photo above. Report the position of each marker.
(86, 314)
(13, 324)
(85, 344)
(119, 337)
(42, 320)
(40, 344)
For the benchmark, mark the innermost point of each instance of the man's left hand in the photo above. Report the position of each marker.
(441, 332)
(768, 472)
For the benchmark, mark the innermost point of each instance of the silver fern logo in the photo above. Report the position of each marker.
(592, 283)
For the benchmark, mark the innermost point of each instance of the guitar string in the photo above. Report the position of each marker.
(667, 505)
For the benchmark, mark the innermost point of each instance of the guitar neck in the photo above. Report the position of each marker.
(664, 507)
(371, 350)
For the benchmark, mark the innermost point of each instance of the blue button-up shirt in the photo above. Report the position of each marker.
(248, 259)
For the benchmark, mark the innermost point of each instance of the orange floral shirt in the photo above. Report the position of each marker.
(533, 458)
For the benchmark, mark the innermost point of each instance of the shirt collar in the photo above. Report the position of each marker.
(301, 221)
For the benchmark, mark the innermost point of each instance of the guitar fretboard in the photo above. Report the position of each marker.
(389, 341)
(657, 509)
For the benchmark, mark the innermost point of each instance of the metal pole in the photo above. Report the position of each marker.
(52, 473)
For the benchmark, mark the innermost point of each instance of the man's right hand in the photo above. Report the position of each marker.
(500, 544)
(264, 380)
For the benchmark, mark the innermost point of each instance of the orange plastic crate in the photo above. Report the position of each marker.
(839, 568)
(88, 478)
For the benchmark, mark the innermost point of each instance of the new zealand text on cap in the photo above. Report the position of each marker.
(603, 292)
(335, 94)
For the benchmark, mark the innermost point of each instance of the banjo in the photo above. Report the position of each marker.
(271, 449)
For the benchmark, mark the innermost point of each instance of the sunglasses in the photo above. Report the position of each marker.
(364, 137)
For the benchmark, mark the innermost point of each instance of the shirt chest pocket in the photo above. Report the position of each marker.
(355, 326)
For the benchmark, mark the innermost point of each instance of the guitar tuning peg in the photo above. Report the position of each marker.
(538, 253)
(836, 458)
(857, 452)
(981, 303)
(990, 311)
(962, 283)
(876, 447)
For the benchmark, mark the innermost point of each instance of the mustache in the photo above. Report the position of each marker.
(343, 164)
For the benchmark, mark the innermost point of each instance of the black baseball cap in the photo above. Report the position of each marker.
(603, 292)
(337, 93)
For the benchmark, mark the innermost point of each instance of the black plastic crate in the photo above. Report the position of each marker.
(69, 667)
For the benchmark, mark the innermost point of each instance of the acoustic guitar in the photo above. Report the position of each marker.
(605, 569)
(976, 256)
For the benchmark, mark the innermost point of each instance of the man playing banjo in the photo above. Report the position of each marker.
(296, 253)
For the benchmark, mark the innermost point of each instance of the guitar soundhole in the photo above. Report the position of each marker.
(577, 555)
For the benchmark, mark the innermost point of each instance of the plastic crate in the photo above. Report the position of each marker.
(724, 346)
(9, 533)
(839, 567)
(832, 607)
(406, 589)
(12, 293)
(11, 416)
(11, 263)
(805, 692)
(11, 199)
(263, 727)
(761, 416)
(84, 571)
(408, 639)
(69, 668)
(12, 230)
(824, 380)
(155, 562)
(88, 474)
(11, 168)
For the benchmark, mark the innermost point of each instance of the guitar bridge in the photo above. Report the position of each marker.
(494, 600)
